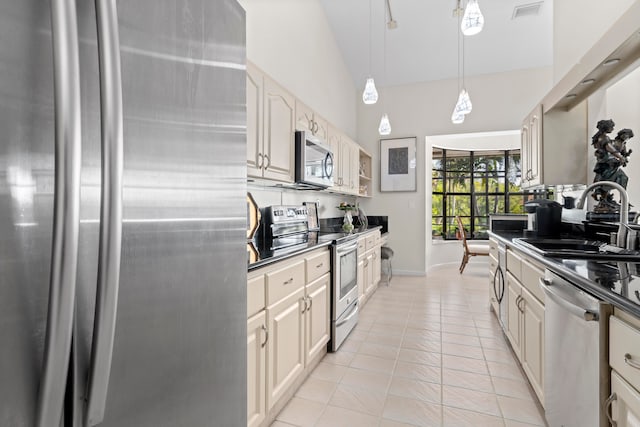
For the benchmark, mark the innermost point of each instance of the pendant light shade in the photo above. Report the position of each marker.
(463, 106)
(472, 21)
(370, 94)
(385, 126)
(457, 118)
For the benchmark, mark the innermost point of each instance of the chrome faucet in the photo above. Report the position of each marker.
(621, 240)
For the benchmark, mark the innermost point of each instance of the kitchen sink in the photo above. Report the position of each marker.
(578, 248)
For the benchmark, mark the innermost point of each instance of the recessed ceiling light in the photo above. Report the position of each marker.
(611, 61)
(587, 81)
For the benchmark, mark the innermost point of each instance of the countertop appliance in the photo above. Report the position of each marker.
(344, 289)
(543, 218)
(314, 161)
(122, 195)
(576, 375)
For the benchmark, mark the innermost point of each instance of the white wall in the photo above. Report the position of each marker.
(500, 102)
(623, 106)
(292, 42)
(577, 25)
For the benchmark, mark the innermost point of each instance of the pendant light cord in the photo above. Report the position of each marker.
(370, 42)
(458, 10)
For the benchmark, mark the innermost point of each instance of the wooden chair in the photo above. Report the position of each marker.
(470, 249)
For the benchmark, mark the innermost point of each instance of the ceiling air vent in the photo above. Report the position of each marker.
(531, 9)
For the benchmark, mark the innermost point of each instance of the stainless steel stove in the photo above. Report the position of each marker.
(285, 226)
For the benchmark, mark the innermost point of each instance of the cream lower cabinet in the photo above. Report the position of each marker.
(532, 353)
(513, 290)
(369, 265)
(256, 368)
(625, 402)
(286, 345)
(525, 320)
(287, 330)
(624, 358)
(317, 328)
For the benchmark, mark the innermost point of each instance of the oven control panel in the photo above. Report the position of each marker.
(280, 214)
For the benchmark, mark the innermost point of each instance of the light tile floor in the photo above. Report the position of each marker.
(426, 352)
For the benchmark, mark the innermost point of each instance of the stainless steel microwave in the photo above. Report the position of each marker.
(314, 161)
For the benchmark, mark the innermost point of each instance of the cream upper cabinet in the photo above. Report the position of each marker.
(553, 147)
(279, 132)
(270, 128)
(307, 119)
(255, 83)
(532, 148)
(354, 167)
(334, 140)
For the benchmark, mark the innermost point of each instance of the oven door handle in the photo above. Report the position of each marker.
(343, 248)
(350, 316)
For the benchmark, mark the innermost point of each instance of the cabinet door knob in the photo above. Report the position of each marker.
(266, 335)
(260, 162)
(268, 161)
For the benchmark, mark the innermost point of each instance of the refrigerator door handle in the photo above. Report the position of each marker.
(110, 212)
(64, 250)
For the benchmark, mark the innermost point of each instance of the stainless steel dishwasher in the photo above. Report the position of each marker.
(575, 367)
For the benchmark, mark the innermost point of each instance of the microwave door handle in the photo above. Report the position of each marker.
(328, 165)
(64, 248)
(110, 213)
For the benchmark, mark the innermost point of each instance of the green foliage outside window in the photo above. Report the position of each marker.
(474, 185)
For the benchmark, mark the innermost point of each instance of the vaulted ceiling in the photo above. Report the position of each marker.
(424, 46)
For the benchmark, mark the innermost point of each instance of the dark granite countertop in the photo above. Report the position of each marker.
(617, 283)
(264, 256)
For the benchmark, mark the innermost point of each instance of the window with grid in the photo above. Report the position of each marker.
(474, 185)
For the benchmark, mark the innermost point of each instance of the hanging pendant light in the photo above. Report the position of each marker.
(472, 21)
(370, 94)
(463, 106)
(385, 126)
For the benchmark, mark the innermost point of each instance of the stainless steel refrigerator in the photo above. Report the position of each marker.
(122, 213)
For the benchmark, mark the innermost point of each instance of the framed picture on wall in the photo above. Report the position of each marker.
(398, 164)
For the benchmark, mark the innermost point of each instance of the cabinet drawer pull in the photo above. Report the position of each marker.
(268, 161)
(260, 160)
(608, 411)
(266, 335)
(320, 265)
(286, 282)
(629, 361)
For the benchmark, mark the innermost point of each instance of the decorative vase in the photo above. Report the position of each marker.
(347, 222)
